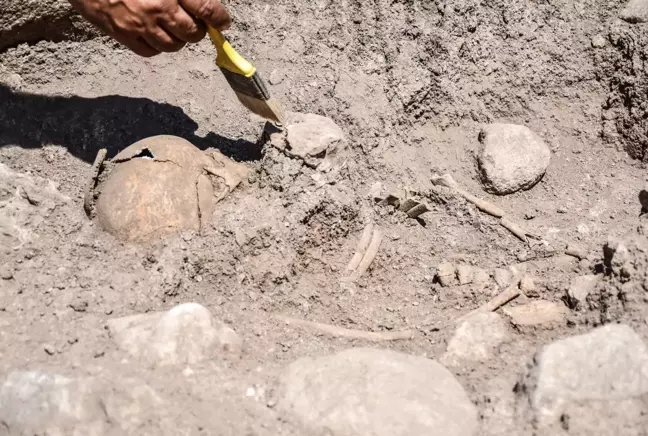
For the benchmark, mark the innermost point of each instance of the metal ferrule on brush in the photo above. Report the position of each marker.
(251, 86)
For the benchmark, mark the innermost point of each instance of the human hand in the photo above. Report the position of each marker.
(149, 27)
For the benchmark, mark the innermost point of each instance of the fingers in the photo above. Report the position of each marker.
(212, 12)
(161, 40)
(184, 27)
(137, 45)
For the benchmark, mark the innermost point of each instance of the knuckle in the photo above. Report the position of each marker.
(206, 8)
(152, 6)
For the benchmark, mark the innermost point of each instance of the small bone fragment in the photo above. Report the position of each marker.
(88, 198)
(347, 333)
(527, 285)
(576, 252)
(446, 274)
(362, 247)
(465, 274)
(407, 204)
(483, 205)
(510, 293)
(369, 256)
(515, 229)
(390, 200)
(418, 210)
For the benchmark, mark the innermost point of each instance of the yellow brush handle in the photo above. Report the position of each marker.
(227, 57)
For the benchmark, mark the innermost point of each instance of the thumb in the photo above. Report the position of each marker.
(212, 12)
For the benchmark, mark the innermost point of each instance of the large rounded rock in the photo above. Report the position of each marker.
(511, 158)
(162, 185)
(596, 380)
(34, 402)
(370, 392)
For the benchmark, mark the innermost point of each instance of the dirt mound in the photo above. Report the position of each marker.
(33, 21)
(625, 112)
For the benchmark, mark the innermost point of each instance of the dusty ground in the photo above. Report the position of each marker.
(411, 83)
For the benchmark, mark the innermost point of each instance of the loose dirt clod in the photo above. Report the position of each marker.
(158, 186)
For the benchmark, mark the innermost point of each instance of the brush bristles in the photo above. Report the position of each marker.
(270, 109)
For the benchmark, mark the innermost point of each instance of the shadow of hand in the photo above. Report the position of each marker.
(86, 125)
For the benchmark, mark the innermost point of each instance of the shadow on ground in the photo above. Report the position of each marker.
(86, 125)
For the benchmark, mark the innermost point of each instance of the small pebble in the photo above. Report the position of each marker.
(446, 274)
(49, 349)
(598, 41)
(527, 285)
(562, 210)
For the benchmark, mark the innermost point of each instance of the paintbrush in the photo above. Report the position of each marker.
(244, 79)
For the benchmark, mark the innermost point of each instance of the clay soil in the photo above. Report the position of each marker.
(410, 83)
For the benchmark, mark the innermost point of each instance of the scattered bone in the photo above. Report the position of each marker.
(520, 233)
(357, 268)
(417, 210)
(576, 251)
(538, 312)
(362, 247)
(406, 203)
(465, 274)
(372, 251)
(527, 285)
(510, 293)
(483, 205)
(389, 200)
(89, 195)
(446, 274)
(348, 333)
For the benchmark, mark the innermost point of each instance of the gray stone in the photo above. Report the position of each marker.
(608, 364)
(580, 288)
(185, 335)
(361, 392)
(511, 158)
(446, 274)
(33, 402)
(476, 339)
(537, 312)
(636, 11)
